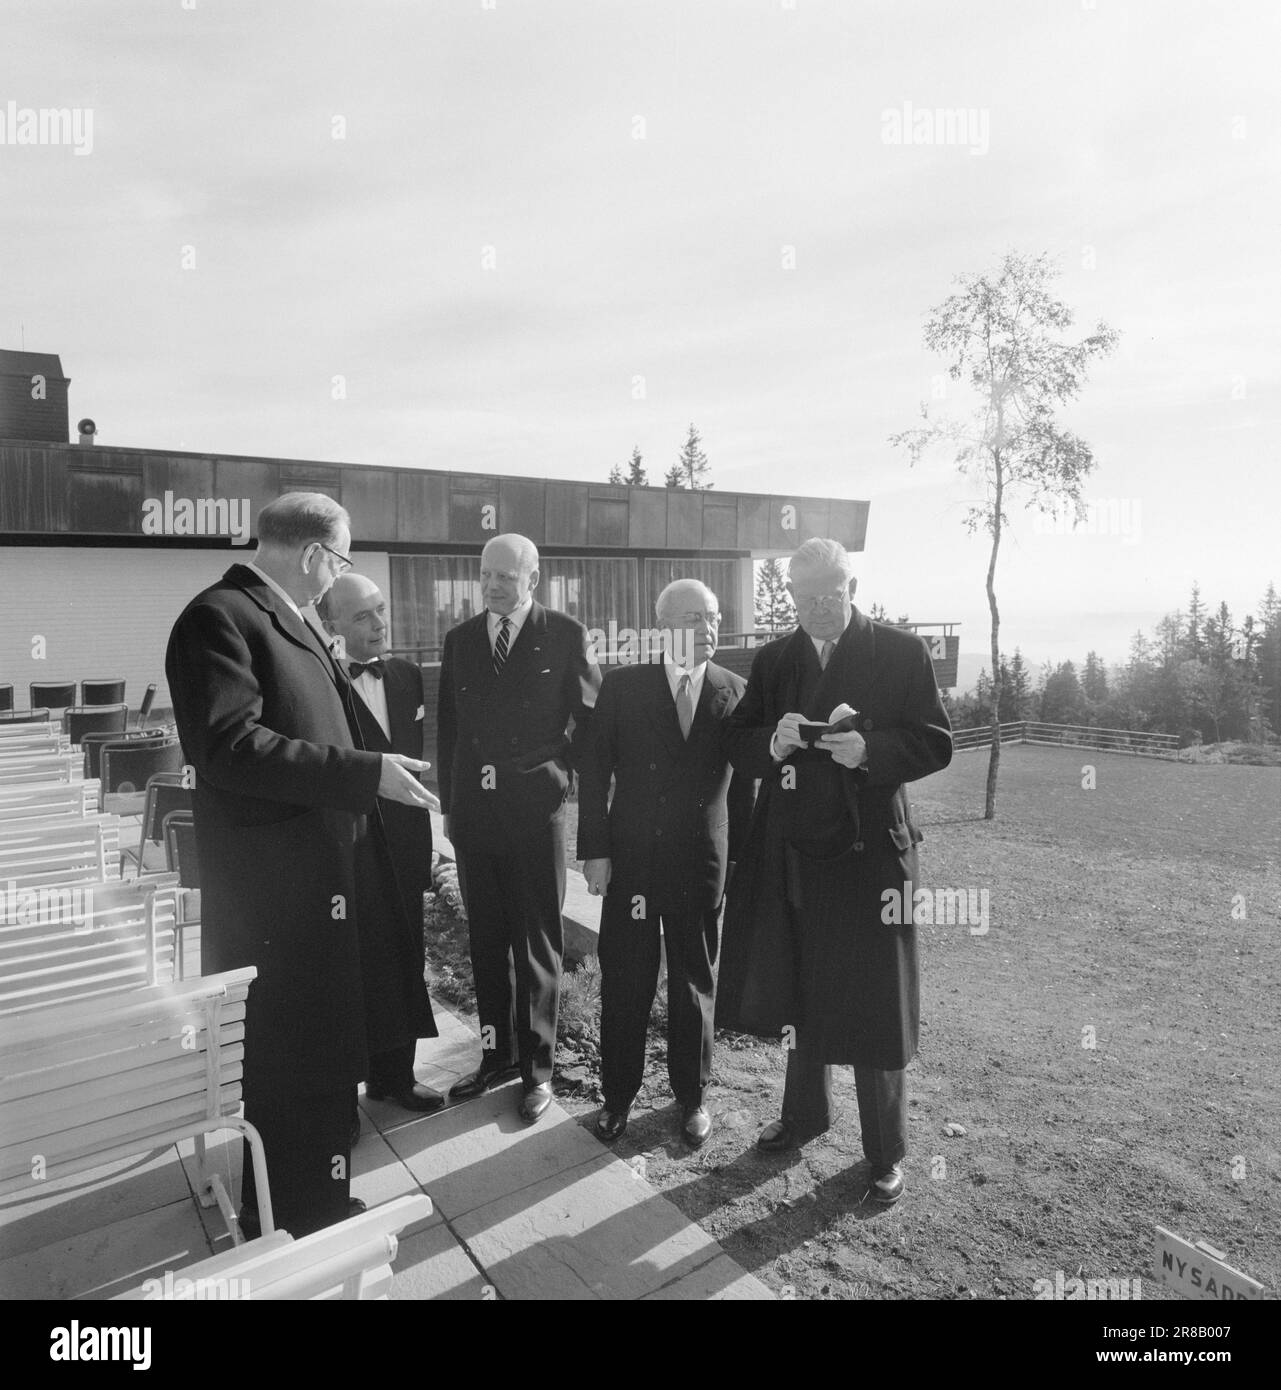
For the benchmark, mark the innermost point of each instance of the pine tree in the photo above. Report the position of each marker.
(1193, 644)
(1094, 683)
(1020, 688)
(694, 468)
(634, 475)
(674, 477)
(775, 610)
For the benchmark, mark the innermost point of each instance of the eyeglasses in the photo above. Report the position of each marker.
(811, 601)
(693, 619)
(345, 561)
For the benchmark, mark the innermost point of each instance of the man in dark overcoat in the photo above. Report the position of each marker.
(660, 850)
(810, 949)
(387, 715)
(511, 680)
(261, 710)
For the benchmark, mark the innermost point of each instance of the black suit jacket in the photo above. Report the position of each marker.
(279, 790)
(393, 869)
(505, 758)
(408, 829)
(678, 812)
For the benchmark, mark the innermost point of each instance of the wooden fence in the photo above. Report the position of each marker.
(1072, 736)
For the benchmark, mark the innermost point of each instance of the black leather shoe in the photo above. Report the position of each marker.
(887, 1184)
(482, 1080)
(696, 1125)
(535, 1101)
(610, 1124)
(418, 1097)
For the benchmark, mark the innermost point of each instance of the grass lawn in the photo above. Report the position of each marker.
(1112, 910)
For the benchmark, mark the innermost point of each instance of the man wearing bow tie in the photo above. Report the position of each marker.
(511, 680)
(659, 852)
(807, 953)
(388, 713)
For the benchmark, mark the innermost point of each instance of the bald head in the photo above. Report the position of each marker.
(508, 572)
(355, 610)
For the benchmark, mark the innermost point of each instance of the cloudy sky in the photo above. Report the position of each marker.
(552, 231)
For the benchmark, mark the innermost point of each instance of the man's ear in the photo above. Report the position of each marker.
(533, 580)
(853, 585)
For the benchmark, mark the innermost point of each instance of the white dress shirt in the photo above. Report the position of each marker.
(374, 693)
(516, 618)
(695, 674)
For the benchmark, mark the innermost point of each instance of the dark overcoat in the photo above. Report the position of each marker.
(804, 943)
(679, 812)
(505, 758)
(279, 790)
(393, 869)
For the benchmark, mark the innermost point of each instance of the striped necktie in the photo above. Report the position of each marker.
(500, 646)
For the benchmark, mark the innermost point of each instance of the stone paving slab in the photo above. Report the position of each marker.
(64, 1207)
(433, 1264)
(720, 1280)
(596, 1231)
(468, 1155)
(107, 1261)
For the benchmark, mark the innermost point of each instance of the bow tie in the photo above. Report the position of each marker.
(359, 668)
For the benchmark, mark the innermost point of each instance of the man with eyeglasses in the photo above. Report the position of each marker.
(660, 851)
(280, 799)
(837, 717)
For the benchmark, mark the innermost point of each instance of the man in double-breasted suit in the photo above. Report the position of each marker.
(280, 788)
(807, 944)
(387, 711)
(659, 851)
(511, 680)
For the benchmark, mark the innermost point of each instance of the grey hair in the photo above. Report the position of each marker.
(817, 554)
(525, 549)
(678, 584)
(298, 518)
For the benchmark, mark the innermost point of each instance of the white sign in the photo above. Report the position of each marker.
(1197, 1271)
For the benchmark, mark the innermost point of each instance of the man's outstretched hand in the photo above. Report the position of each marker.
(397, 783)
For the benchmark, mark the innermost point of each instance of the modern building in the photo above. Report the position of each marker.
(103, 545)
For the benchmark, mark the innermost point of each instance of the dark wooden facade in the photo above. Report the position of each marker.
(68, 491)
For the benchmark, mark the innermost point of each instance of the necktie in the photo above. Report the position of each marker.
(826, 654)
(360, 668)
(500, 646)
(684, 706)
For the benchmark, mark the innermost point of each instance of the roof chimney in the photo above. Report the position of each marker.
(33, 397)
